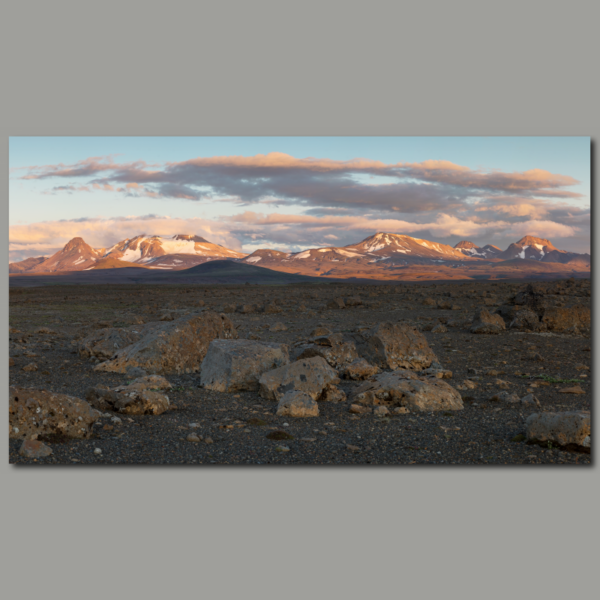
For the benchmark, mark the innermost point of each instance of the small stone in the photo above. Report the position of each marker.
(576, 389)
(192, 437)
(279, 326)
(282, 449)
(401, 410)
(97, 451)
(34, 449)
(358, 409)
(30, 367)
(208, 440)
(352, 448)
(116, 420)
(530, 399)
(381, 411)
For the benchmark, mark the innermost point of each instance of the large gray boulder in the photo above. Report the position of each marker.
(235, 365)
(397, 346)
(405, 388)
(173, 347)
(103, 343)
(570, 429)
(39, 412)
(311, 375)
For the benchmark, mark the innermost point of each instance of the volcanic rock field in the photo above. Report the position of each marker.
(461, 373)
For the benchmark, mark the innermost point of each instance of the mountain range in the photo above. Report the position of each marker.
(379, 255)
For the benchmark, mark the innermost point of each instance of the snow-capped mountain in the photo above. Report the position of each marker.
(470, 249)
(157, 252)
(400, 248)
(385, 253)
(75, 256)
(176, 252)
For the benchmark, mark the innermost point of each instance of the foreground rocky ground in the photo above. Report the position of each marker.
(541, 355)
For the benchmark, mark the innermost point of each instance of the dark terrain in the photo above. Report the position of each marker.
(485, 432)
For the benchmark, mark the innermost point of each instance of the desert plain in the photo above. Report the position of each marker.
(502, 365)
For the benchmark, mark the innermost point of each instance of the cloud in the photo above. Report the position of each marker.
(339, 201)
(278, 177)
(545, 229)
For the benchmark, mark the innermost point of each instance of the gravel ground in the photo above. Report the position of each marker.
(234, 428)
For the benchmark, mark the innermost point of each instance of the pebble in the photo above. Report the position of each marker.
(97, 451)
(193, 438)
(208, 440)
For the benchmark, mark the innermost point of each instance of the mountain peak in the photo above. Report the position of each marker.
(190, 237)
(465, 244)
(530, 240)
(75, 243)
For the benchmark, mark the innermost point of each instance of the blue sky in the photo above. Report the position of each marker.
(244, 204)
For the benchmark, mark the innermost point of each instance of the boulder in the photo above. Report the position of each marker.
(333, 348)
(235, 365)
(439, 328)
(568, 319)
(333, 394)
(336, 303)
(40, 412)
(397, 346)
(246, 309)
(130, 402)
(569, 429)
(320, 330)
(297, 404)
(405, 388)
(311, 375)
(359, 369)
(173, 347)
(526, 320)
(353, 301)
(272, 308)
(279, 326)
(484, 322)
(103, 343)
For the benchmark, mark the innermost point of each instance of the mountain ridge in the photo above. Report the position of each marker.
(378, 253)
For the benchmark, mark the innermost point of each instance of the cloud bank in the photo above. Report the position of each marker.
(340, 202)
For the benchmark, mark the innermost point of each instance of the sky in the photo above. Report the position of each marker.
(294, 193)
